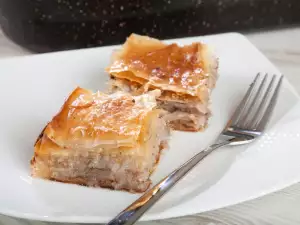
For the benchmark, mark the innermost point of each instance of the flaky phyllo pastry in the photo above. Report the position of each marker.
(185, 75)
(102, 140)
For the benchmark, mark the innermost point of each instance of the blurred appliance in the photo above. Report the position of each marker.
(52, 25)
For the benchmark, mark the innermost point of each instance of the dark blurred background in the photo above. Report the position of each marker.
(52, 25)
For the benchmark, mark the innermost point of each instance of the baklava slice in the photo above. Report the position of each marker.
(184, 74)
(102, 140)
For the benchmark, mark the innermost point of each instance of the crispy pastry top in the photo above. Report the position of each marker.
(171, 67)
(91, 120)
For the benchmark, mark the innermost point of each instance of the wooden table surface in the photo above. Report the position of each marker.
(282, 47)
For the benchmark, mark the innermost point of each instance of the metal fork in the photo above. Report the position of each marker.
(247, 124)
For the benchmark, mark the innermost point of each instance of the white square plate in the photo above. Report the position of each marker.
(33, 89)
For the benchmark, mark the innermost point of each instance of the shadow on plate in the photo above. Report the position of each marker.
(205, 175)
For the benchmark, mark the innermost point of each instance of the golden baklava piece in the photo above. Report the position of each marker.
(102, 140)
(184, 74)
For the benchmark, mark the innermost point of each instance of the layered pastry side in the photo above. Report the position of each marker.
(101, 140)
(185, 75)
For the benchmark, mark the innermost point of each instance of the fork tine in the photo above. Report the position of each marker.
(247, 118)
(241, 107)
(261, 107)
(270, 108)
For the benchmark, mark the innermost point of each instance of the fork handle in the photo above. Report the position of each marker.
(133, 212)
